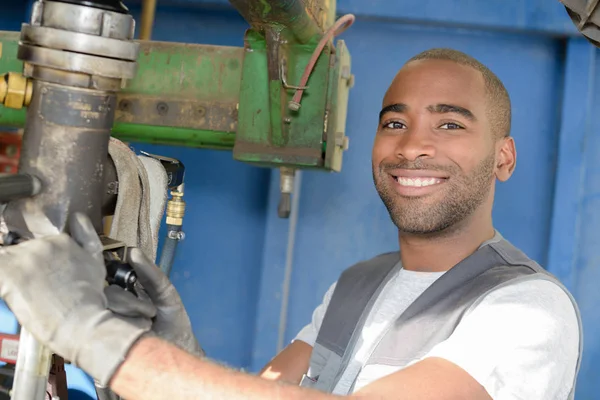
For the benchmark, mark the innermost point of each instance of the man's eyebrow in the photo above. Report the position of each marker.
(397, 108)
(449, 108)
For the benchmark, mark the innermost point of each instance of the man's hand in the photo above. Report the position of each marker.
(55, 287)
(172, 322)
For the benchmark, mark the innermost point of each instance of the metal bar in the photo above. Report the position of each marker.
(17, 186)
(198, 84)
(32, 369)
(301, 19)
(148, 13)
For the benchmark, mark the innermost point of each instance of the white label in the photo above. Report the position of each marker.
(9, 349)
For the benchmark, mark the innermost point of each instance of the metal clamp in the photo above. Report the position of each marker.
(284, 80)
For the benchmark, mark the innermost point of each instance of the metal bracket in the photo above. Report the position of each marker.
(283, 79)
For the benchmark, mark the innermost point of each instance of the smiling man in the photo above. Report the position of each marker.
(459, 312)
(456, 313)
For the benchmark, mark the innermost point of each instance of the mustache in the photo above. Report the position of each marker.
(415, 165)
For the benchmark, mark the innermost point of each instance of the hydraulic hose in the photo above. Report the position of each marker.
(169, 249)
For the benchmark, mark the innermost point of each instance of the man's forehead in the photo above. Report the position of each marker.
(427, 78)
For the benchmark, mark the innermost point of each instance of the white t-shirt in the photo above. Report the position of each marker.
(520, 342)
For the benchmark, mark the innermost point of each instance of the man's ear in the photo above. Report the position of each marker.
(506, 158)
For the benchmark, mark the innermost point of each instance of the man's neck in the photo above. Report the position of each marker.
(441, 252)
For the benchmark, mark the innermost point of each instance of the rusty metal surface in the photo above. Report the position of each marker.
(292, 15)
(57, 379)
(259, 154)
(205, 115)
(182, 70)
(68, 159)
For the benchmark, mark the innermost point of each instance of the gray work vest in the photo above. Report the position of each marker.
(429, 320)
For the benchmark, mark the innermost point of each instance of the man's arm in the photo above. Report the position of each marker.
(430, 379)
(156, 370)
(290, 365)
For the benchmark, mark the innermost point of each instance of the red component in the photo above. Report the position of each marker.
(9, 348)
(10, 151)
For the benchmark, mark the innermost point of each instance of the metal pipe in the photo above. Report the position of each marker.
(67, 129)
(66, 155)
(147, 22)
(289, 261)
(291, 14)
(167, 257)
(17, 186)
(32, 369)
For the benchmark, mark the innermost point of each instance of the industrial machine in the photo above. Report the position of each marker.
(74, 76)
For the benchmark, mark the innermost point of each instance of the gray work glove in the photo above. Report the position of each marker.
(55, 287)
(172, 322)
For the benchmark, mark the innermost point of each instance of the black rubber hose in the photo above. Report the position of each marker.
(169, 248)
(18, 186)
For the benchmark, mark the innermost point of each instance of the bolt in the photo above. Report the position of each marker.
(201, 111)
(287, 120)
(346, 143)
(131, 279)
(162, 108)
(345, 72)
(351, 81)
(125, 105)
(294, 106)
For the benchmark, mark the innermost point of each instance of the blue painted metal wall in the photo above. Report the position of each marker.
(248, 292)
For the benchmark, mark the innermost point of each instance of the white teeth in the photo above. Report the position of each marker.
(417, 182)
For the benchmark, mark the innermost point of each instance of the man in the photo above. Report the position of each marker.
(458, 314)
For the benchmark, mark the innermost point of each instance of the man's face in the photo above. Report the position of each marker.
(434, 153)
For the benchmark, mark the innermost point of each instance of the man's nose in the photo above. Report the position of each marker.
(415, 143)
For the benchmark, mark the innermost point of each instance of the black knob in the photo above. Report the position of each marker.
(285, 205)
(108, 5)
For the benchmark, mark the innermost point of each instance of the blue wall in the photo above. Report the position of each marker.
(250, 280)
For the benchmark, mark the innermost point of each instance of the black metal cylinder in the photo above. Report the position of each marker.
(65, 145)
(169, 249)
(17, 186)
(108, 5)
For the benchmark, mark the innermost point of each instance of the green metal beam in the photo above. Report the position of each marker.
(183, 94)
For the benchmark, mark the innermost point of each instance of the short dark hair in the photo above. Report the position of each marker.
(499, 107)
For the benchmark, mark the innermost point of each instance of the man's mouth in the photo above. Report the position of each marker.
(418, 182)
(410, 183)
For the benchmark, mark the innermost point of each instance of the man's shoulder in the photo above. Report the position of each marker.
(369, 265)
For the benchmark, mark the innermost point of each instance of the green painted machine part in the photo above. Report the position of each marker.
(278, 102)
(183, 94)
(237, 99)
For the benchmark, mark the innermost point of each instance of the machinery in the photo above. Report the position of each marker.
(74, 76)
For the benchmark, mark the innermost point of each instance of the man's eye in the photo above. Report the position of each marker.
(394, 125)
(451, 125)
